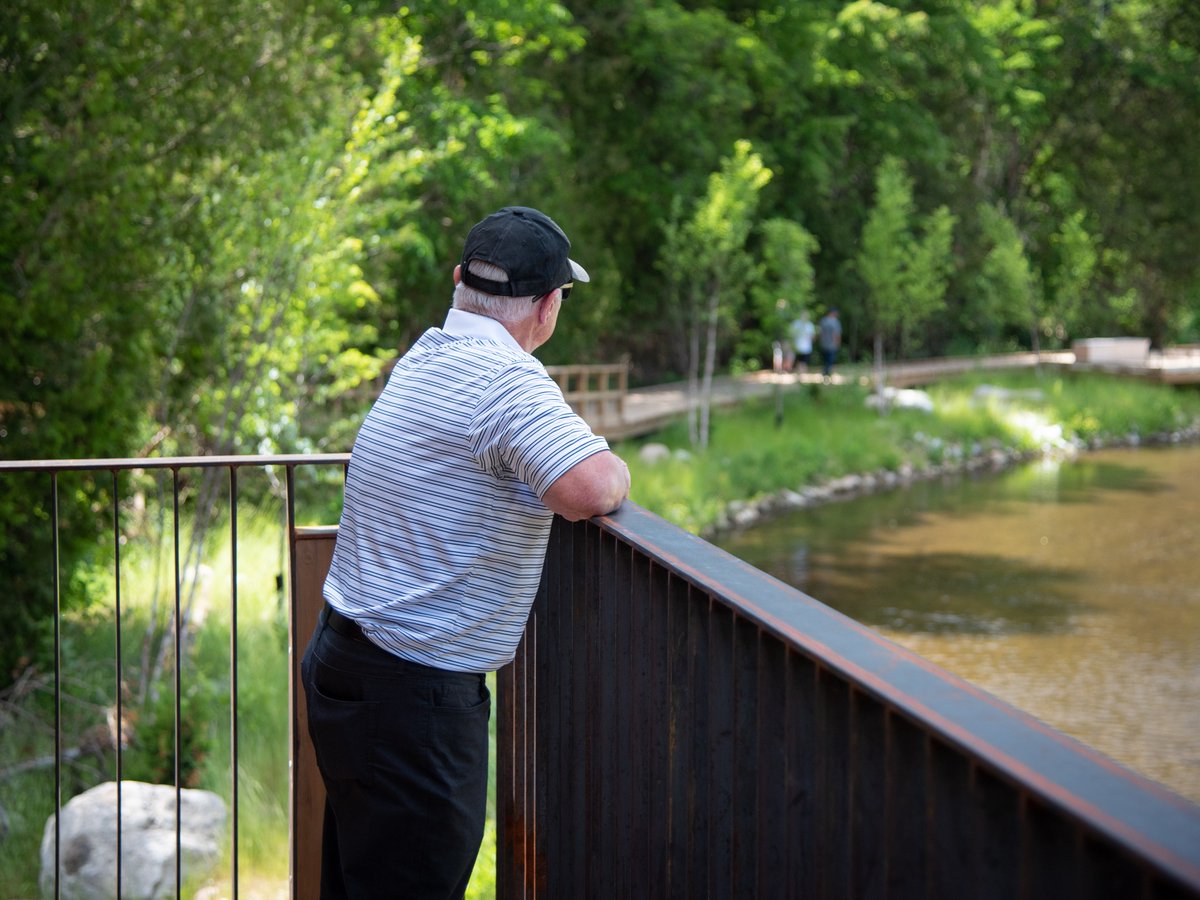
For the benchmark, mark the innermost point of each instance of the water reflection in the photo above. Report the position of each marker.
(1069, 589)
(966, 593)
(1059, 481)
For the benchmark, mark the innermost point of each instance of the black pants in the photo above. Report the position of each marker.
(402, 749)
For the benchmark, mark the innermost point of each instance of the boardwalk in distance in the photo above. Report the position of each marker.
(647, 409)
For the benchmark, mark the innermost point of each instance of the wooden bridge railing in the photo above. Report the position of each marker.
(596, 392)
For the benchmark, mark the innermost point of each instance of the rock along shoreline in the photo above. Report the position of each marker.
(957, 461)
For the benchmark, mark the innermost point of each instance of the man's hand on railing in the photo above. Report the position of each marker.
(593, 487)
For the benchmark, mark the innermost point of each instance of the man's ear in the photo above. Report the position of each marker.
(545, 305)
(458, 273)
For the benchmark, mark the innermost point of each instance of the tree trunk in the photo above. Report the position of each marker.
(1035, 342)
(710, 362)
(693, 390)
(880, 373)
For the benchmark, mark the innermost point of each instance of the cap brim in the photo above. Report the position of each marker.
(578, 271)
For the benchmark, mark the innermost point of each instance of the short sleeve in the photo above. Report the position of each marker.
(523, 428)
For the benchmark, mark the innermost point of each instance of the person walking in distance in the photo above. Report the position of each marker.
(802, 339)
(829, 331)
(453, 481)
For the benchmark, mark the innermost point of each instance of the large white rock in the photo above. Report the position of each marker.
(88, 835)
(902, 398)
(654, 453)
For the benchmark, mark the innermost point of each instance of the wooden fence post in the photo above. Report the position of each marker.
(312, 553)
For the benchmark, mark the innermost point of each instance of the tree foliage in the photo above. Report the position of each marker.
(784, 286)
(707, 271)
(218, 222)
(905, 272)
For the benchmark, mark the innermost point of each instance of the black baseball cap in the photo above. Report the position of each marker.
(528, 246)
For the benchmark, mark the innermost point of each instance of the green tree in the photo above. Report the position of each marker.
(784, 286)
(655, 99)
(1131, 129)
(111, 115)
(1106, 136)
(1006, 291)
(706, 268)
(482, 126)
(1069, 277)
(904, 273)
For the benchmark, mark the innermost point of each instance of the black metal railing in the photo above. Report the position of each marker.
(680, 724)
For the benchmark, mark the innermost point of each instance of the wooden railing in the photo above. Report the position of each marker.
(596, 392)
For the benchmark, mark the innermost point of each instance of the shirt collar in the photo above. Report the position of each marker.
(461, 323)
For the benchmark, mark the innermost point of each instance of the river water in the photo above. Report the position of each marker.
(1070, 589)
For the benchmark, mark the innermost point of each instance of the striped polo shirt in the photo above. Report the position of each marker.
(443, 532)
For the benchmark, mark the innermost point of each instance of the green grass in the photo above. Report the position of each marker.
(828, 431)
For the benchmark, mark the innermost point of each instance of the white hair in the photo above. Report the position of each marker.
(502, 309)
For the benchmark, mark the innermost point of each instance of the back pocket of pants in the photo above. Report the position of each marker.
(343, 734)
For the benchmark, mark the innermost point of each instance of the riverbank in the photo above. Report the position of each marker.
(740, 514)
(830, 445)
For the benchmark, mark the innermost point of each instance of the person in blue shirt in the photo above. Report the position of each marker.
(829, 339)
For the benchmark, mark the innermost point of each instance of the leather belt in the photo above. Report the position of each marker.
(344, 625)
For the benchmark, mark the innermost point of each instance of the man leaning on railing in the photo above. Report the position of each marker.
(452, 484)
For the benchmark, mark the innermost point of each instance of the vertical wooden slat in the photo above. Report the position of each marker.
(996, 841)
(1051, 852)
(511, 760)
(679, 738)
(533, 823)
(721, 702)
(524, 769)
(950, 865)
(658, 726)
(868, 742)
(555, 675)
(771, 772)
(506, 761)
(575, 811)
(545, 762)
(744, 757)
(906, 826)
(590, 651)
(605, 713)
(833, 786)
(1109, 875)
(627, 751)
(804, 861)
(699, 734)
(313, 552)
(552, 743)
